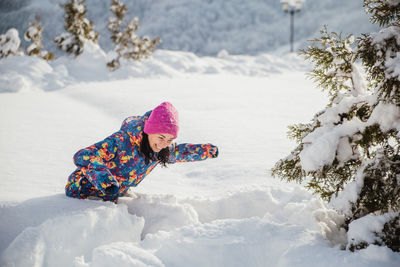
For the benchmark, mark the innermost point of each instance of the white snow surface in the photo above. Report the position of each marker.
(221, 212)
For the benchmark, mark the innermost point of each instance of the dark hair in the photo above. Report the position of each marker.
(162, 157)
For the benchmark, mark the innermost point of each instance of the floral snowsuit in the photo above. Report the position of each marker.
(117, 160)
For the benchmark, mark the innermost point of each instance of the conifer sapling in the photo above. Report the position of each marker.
(34, 35)
(349, 153)
(128, 45)
(9, 43)
(79, 28)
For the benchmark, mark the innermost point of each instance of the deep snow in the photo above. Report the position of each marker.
(222, 212)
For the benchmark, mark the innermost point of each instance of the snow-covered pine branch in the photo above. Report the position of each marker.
(382, 11)
(9, 43)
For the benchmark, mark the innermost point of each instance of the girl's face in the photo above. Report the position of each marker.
(160, 141)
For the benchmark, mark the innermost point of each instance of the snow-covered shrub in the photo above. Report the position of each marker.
(128, 45)
(9, 43)
(350, 153)
(34, 35)
(79, 28)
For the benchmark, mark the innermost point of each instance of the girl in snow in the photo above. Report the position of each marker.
(107, 169)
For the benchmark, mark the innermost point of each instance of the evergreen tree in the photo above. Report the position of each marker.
(79, 28)
(9, 43)
(128, 45)
(34, 35)
(349, 153)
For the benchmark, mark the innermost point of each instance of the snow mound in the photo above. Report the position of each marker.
(160, 212)
(121, 254)
(58, 241)
(160, 230)
(25, 73)
(88, 66)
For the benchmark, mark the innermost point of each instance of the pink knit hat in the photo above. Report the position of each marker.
(163, 119)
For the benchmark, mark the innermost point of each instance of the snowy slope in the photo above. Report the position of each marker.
(199, 26)
(222, 212)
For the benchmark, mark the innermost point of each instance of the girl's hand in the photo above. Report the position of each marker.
(214, 151)
(111, 190)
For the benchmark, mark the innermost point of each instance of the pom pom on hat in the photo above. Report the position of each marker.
(163, 119)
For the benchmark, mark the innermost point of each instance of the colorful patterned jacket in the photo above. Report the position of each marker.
(117, 160)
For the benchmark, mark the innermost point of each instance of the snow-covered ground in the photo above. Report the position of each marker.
(227, 211)
(222, 212)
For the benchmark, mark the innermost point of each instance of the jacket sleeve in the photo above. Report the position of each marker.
(190, 152)
(95, 162)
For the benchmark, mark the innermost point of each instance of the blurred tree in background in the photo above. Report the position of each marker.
(79, 28)
(9, 43)
(128, 45)
(34, 35)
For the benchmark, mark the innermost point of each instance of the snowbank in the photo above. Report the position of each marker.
(57, 241)
(24, 73)
(159, 230)
(72, 231)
